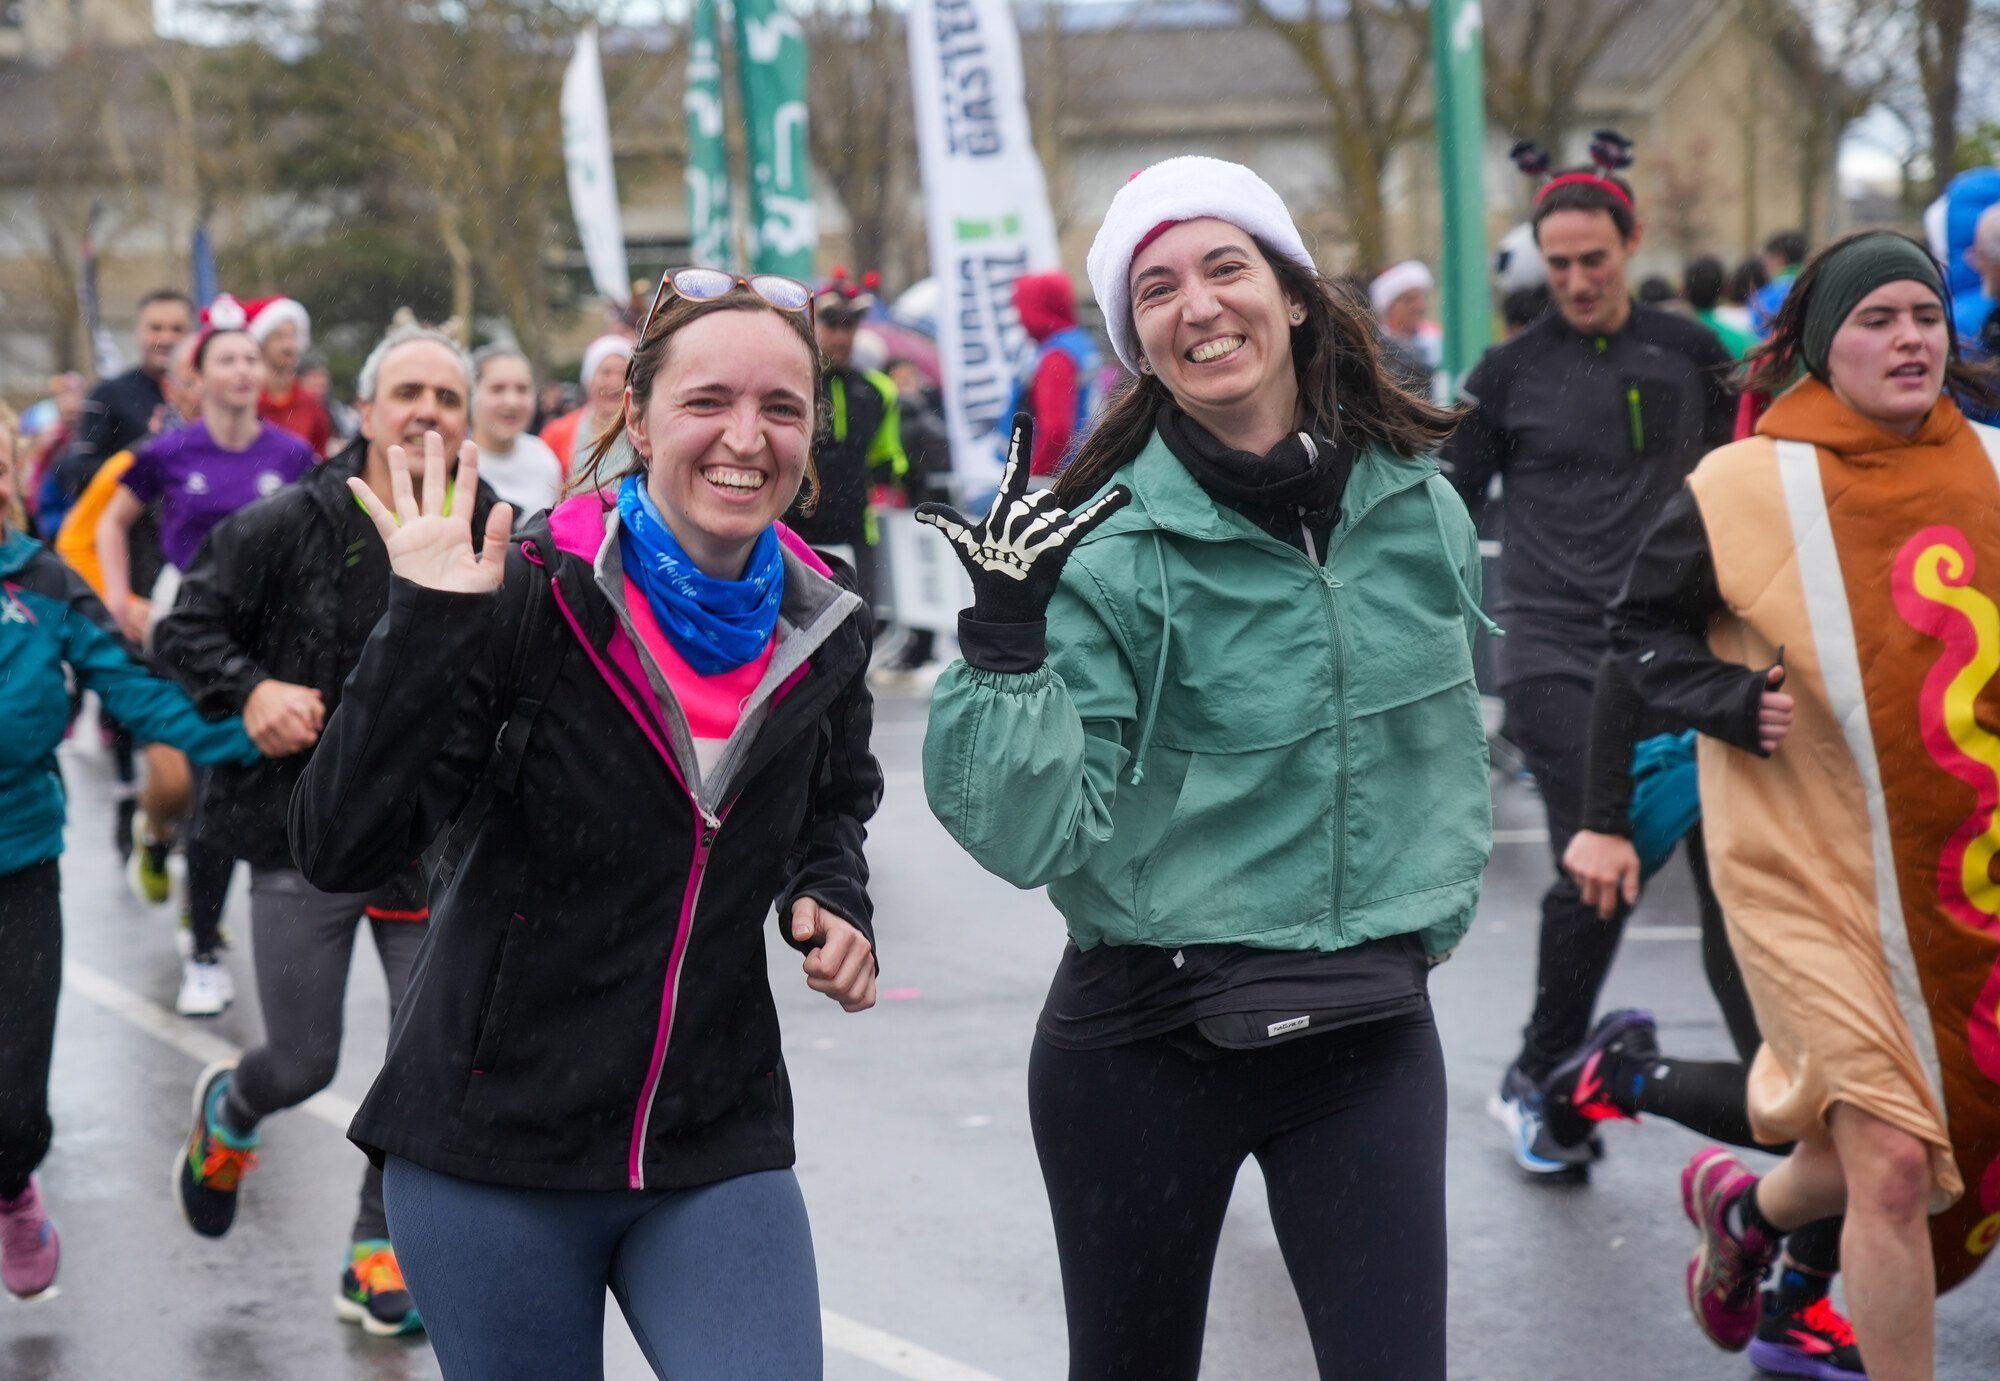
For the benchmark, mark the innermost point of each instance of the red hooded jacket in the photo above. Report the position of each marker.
(1046, 303)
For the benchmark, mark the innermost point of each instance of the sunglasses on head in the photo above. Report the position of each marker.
(707, 285)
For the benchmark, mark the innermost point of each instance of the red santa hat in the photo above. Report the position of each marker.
(1180, 189)
(264, 315)
(225, 313)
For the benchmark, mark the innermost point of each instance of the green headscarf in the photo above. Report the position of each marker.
(1850, 273)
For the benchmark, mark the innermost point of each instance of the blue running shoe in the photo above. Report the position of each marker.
(1517, 1106)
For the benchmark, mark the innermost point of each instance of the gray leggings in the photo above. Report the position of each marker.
(304, 942)
(717, 1281)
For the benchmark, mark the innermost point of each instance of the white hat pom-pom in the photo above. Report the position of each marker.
(226, 314)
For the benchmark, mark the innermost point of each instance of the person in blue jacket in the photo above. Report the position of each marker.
(51, 623)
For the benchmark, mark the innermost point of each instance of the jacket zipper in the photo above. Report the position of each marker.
(709, 825)
(642, 1115)
(1328, 584)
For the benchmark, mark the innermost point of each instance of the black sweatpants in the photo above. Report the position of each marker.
(1140, 1145)
(30, 979)
(1548, 719)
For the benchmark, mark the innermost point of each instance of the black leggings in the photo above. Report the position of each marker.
(1140, 1145)
(208, 872)
(30, 979)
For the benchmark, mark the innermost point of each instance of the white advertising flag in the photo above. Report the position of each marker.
(593, 187)
(988, 210)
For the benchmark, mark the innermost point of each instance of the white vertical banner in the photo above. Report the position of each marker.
(593, 186)
(987, 206)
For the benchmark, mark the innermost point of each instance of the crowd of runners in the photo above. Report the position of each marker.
(560, 704)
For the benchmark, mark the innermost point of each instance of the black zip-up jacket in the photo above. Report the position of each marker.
(862, 436)
(117, 416)
(1660, 676)
(265, 600)
(1590, 435)
(592, 1009)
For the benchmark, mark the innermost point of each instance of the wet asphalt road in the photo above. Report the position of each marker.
(935, 1254)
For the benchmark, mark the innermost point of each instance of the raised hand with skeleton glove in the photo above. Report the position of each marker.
(1016, 553)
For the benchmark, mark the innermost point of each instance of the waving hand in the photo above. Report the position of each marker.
(431, 546)
(1015, 554)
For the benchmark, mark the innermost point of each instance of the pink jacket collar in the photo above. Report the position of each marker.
(578, 524)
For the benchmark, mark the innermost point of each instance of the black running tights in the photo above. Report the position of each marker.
(1140, 1145)
(31, 938)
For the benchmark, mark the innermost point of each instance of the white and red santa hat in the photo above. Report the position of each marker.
(267, 314)
(257, 318)
(1394, 281)
(1188, 188)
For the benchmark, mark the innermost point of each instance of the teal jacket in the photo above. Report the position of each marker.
(1231, 743)
(50, 620)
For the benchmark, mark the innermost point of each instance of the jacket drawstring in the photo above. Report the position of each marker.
(1465, 599)
(1160, 671)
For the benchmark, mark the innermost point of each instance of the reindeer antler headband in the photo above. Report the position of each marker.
(1609, 150)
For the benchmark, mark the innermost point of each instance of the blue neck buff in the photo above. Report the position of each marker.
(716, 625)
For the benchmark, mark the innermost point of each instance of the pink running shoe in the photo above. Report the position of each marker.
(1723, 1277)
(29, 1247)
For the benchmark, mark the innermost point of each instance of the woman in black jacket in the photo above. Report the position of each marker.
(647, 716)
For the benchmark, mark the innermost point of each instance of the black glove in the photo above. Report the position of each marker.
(1015, 554)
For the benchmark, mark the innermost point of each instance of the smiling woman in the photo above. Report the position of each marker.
(1217, 695)
(703, 757)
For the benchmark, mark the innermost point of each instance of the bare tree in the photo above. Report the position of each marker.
(1368, 59)
(90, 154)
(1941, 28)
(463, 97)
(1842, 54)
(1539, 54)
(862, 130)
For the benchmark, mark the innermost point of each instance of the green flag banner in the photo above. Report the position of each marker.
(710, 230)
(1456, 34)
(771, 66)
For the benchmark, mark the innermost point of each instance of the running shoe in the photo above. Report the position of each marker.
(206, 987)
(29, 1248)
(1812, 1341)
(1517, 1106)
(1723, 1276)
(372, 1292)
(1600, 1082)
(209, 1169)
(146, 865)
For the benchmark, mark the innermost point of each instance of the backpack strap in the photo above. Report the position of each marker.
(529, 680)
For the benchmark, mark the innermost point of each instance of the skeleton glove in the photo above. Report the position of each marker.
(1015, 554)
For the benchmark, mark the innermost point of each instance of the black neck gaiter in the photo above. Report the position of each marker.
(1300, 472)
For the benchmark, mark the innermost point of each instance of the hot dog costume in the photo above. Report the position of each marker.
(1856, 864)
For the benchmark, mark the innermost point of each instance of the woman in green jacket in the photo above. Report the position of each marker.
(1217, 695)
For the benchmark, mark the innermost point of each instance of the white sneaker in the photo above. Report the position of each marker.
(206, 988)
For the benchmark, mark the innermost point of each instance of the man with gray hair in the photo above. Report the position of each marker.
(1984, 256)
(271, 618)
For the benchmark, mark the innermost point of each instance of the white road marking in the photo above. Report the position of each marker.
(894, 1354)
(172, 1030)
(897, 1356)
